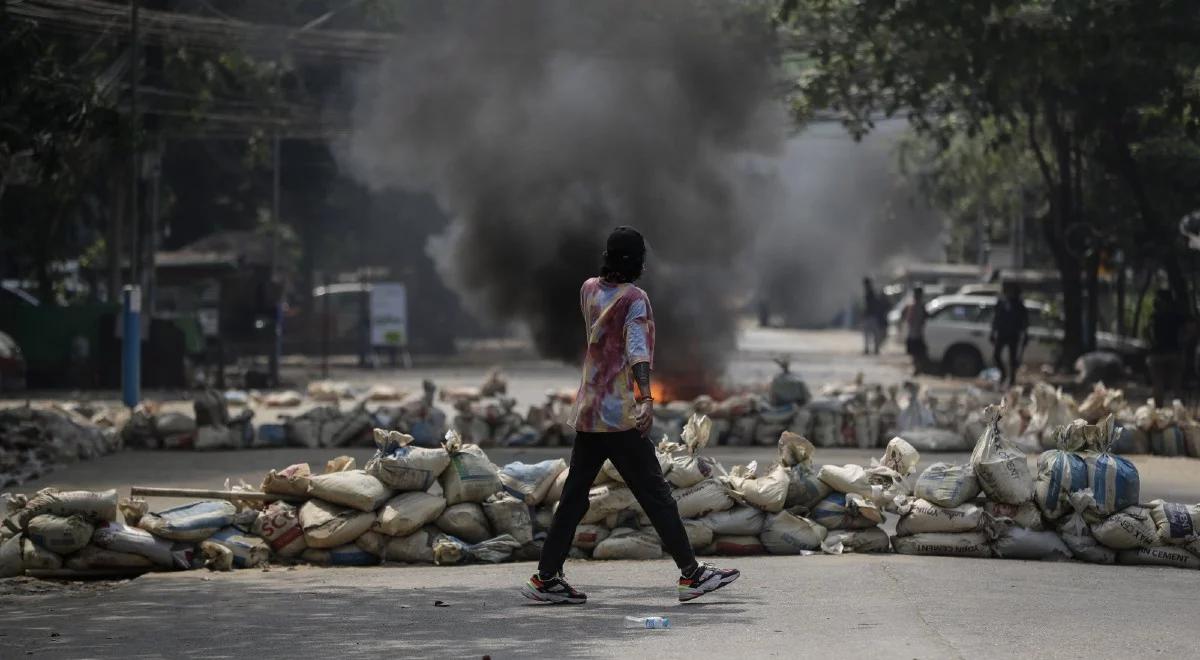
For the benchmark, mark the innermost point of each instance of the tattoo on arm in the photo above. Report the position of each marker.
(641, 373)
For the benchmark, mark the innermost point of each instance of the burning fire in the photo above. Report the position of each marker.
(659, 391)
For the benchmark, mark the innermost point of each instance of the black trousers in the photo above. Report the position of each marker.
(633, 456)
(1008, 375)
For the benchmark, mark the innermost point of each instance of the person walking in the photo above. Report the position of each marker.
(873, 325)
(611, 420)
(914, 324)
(1010, 330)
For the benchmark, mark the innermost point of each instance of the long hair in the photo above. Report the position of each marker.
(622, 267)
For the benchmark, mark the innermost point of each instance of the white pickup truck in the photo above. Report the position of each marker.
(959, 327)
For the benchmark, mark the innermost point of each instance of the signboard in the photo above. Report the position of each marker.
(389, 314)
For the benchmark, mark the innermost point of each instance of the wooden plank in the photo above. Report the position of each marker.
(203, 493)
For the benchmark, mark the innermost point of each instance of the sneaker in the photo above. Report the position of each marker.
(705, 579)
(554, 590)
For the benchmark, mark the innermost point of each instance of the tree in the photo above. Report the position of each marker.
(1079, 82)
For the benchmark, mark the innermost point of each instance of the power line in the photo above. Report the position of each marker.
(164, 27)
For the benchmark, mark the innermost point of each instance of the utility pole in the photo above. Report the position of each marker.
(276, 286)
(135, 168)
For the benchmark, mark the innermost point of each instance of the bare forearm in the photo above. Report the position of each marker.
(641, 374)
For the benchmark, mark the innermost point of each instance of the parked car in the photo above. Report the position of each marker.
(12, 365)
(959, 327)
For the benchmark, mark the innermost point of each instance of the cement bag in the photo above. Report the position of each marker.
(123, 538)
(922, 517)
(92, 506)
(93, 557)
(509, 516)
(1026, 514)
(448, 551)
(11, 563)
(543, 518)
(689, 468)
(407, 512)
(605, 500)
(1015, 542)
(738, 521)
(850, 479)
(703, 498)
(738, 545)
(190, 522)
(1176, 523)
(947, 485)
(917, 414)
(871, 539)
(328, 525)
(471, 477)
(495, 550)
(935, 440)
(699, 535)
(556, 488)
(900, 456)
(279, 526)
(372, 542)
(587, 536)
(1127, 529)
(60, 534)
(248, 551)
(1114, 480)
(1060, 472)
(788, 534)
(415, 548)
(1078, 537)
(401, 466)
(34, 557)
(969, 544)
(1001, 469)
(291, 480)
(466, 521)
(625, 543)
(343, 555)
(767, 493)
(1160, 555)
(665, 463)
(805, 488)
(530, 482)
(354, 488)
(842, 511)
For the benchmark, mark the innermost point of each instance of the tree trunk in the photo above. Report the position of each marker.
(1093, 302)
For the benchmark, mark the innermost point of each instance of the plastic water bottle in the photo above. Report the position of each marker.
(648, 622)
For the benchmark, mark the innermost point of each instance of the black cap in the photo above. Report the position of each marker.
(625, 241)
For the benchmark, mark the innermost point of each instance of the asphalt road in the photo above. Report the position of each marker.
(887, 606)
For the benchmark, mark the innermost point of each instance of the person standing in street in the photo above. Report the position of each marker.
(1010, 330)
(1167, 338)
(873, 325)
(914, 325)
(613, 412)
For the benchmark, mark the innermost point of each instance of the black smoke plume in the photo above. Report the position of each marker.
(541, 125)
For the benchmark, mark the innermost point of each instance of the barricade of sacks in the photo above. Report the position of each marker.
(1082, 503)
(35, 439)
(1144, 429)
(451, 505)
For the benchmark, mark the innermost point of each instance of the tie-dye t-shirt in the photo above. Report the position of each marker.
(620, 334)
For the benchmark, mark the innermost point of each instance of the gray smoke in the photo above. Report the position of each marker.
(839, 212)
(541, 125)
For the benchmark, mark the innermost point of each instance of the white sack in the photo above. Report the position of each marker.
(858, 541)
(60, 534)
(703, 498)
(509, 516)
(353, 488)
(402, 466)
(788, 534)
(531, 482)
(279, 526)
(947, 485)
(625, 543)
(328, 525)
(407, 512)
(737, 521)
(922, 517)
(465, 520)
(970, 544)
(1000, 467)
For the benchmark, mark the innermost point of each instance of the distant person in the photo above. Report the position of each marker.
(1165, 361)
(874, 326)
(914, 325)
(1010, 330)
(611, 422)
